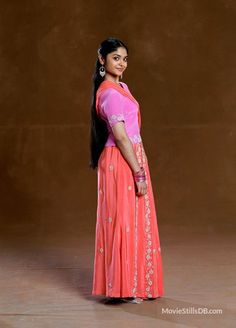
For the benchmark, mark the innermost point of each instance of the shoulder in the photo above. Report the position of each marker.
(110, 93)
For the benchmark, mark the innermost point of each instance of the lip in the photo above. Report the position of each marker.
(120, 69)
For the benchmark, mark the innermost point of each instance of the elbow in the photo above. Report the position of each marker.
(122, 139)
(119, 133)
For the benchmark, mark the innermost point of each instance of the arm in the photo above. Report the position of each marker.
(112, 107)
(125, 145)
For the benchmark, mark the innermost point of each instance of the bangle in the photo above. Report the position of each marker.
(140, 179)
(140, 176)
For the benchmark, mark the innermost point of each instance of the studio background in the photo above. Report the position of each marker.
(181, 69)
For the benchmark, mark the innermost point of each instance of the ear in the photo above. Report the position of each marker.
(101, 60)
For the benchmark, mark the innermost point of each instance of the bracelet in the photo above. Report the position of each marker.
(140, 179)
(140, 176)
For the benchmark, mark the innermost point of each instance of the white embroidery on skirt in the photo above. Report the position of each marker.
(135, 248)
(148, 251)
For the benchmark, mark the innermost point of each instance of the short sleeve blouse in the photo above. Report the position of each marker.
(112, 106)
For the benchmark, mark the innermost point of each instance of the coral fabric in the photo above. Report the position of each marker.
(127, 260)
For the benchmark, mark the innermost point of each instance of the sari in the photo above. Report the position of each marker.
(127, 259)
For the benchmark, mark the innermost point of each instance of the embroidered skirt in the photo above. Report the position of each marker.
(127, 260)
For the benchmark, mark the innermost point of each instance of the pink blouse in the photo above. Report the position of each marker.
(115, 107)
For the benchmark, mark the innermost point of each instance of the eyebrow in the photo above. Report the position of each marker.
(119, 55)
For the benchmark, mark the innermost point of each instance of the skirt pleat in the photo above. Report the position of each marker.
(127, 260)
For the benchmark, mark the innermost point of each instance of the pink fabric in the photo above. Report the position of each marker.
(113, 108)
(127, 260)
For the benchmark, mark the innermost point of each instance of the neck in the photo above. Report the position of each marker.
(111, 78)
(118, 84)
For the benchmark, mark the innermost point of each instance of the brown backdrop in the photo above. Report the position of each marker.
(182, 70)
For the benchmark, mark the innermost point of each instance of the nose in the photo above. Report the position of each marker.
(122, 64)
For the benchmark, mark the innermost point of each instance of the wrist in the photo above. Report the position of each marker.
(139, 171)
(140, 176)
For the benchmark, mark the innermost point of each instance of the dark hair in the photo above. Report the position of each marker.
(98, 128)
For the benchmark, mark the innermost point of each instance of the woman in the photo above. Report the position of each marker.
(127, 262)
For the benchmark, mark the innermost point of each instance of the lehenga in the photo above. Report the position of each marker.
(127, 260)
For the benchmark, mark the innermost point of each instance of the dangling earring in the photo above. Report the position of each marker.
(102, 71)
(121, 76)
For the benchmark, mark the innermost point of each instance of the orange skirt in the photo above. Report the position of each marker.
(127, 260)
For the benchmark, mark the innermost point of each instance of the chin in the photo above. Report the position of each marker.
(117, 75)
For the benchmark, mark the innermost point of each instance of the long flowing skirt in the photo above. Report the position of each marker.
(127, 260)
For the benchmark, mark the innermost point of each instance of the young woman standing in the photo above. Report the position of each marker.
(127, 261)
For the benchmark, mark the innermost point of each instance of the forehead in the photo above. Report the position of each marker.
(119, 51)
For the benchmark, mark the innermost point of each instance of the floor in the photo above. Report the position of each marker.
(46, 277)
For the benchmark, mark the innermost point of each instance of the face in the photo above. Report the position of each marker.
(116, 62)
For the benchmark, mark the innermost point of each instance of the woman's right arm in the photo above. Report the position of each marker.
(125, 145)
